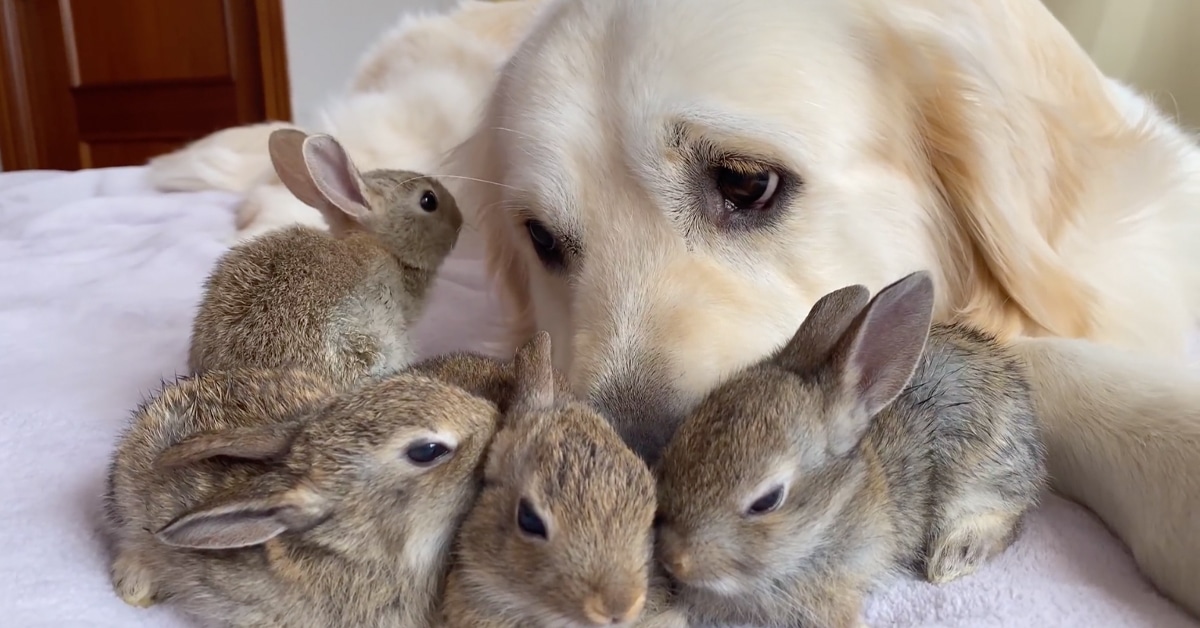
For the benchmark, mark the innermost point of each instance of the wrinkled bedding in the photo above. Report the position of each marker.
(99, 276)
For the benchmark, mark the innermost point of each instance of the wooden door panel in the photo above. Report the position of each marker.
(35, 82)
(94, 83)
(129, 41)
(140, 119)
(154, 111)
(101, 154)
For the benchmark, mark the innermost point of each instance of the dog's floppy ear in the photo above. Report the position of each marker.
(1011, 128)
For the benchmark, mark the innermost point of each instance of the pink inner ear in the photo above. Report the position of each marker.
(335, 175)
(891, 338)
(286, 147)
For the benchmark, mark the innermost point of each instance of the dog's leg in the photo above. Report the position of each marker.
(1123, 438)
(232, 160)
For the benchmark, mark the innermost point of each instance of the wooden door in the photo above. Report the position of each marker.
(97, 83)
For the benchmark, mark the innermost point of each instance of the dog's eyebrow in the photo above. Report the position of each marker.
(523, 204)
(731, 131)
(519, 200)
(542, 192)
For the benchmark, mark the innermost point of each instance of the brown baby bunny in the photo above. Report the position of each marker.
(865, 447)
(561, 534)
(342, 302)
(488, 377)
(237, 511)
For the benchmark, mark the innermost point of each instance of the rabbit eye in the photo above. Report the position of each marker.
(529, 521)
(429, 201)
(425, 454)
(766, 503)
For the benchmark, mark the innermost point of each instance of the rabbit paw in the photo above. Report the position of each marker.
(961, 550)
(133, 582)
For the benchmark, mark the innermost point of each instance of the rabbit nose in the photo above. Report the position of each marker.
(614, 610)
(679, 564)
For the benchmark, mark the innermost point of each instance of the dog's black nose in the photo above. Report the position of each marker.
(643, 410)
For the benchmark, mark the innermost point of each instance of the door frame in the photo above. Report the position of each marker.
(22, 116)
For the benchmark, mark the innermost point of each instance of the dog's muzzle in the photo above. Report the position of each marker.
(643, 408)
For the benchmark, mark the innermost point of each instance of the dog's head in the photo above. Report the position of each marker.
(682, 179)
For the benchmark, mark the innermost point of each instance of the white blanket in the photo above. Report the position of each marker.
(99, 276)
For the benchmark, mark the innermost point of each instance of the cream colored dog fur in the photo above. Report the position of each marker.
(973, 139)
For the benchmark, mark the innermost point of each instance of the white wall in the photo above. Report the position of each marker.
(1150, 44)
(325, 38)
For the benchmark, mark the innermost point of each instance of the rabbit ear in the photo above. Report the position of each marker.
(269, 442)
(335, 175)
(534, 373)
(245, 521)
(875, 359)
(286, 147)
(826, 323)
(318, 172)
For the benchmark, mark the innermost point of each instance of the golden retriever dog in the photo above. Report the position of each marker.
(675, 182)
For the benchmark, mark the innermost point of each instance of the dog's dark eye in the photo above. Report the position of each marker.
(424, 454)
(429, 201)
(767, 502)
(529, 521)
(747, 189)
(547, 247)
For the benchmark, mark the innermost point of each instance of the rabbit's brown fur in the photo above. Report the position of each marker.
(341, 302)
(878, 473)
(244, 498)
(490, 378)
(594, 498)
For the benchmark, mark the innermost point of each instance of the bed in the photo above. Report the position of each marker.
(99, 275)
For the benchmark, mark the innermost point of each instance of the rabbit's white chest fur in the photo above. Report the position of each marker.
(379, 310)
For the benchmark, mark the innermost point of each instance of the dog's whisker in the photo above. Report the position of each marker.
(513, 131)
(455, 176)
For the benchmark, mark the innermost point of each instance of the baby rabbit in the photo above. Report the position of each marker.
(857, 450)
(225, 502)
(492, 379)
(341, 302)
(561, 534)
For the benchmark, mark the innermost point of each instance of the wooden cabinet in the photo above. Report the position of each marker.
(96, 83)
